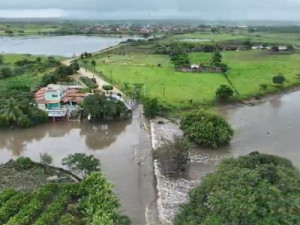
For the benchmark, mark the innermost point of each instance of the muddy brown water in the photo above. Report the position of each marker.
(123, 148)
(125, 151)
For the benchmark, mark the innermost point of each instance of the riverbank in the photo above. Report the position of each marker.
(171, 192)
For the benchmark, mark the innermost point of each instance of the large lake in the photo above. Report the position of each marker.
(67, 46)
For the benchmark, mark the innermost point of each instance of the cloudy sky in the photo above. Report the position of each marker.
(154, 9)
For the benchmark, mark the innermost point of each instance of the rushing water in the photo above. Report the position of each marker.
(67, 46)
(123, 148)
(272, 127)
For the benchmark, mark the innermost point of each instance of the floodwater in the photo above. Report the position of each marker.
(272, 127)
(67, 46)
(123, 148)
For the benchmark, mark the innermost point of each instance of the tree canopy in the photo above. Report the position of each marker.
(206, 129)
(256, 189)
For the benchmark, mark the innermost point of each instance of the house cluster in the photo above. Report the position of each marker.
(59, 100)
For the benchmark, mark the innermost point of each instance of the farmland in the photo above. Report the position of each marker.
(57, 202)
(248, 70)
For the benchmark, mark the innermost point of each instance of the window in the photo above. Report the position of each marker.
(54, 96)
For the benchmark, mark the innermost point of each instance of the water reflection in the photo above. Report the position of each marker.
(95, 136)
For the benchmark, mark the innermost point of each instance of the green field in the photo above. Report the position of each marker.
(180, 87)
(248, 70)
(264, 37)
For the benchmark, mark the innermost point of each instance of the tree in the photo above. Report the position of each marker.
(107, 88)
(102, 107)
(6, 72)
(248, 44)
(46, 159)
(206, 129)
(1, 59)
(75, 66)
(275, 48)
(216, 59)
(38, 59)
(81, 164)
(224, 92)
(11, 112)
(278, 79)
(151, 107)
(173, 155)
(93, 63)
(255, 189)
(289, 48)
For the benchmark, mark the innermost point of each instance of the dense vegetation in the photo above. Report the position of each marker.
(103, 107)
(18, 108)
(90, 201)
(206, 129)
(256, 189)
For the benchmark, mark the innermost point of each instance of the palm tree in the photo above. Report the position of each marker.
(11, 112)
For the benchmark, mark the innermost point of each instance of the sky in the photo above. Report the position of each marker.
(153, 9)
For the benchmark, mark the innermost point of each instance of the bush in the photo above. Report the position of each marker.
(25, 162)
(107, 88)
(256, 189)
(224, 92)
(279, 79)
(206, 129)
(263, 86)
(151, 107)
(6, 72)
(173, 156)
(89, 83)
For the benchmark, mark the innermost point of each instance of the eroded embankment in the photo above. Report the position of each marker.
(172, 192)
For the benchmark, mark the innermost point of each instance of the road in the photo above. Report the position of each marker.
(87, 73)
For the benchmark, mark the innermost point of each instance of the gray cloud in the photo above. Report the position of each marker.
(150, 9)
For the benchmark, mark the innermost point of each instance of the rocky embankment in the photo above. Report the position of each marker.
(172, 192)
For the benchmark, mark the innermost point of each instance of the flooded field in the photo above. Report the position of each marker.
(123, 148)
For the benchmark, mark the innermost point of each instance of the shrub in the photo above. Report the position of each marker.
(263, 86)
(278, 79)
(206, 129)
(255, 189)
(46, 159)
(25, 162)
(173, 155)
(224, 92)
(107, 88)
(89, 83)
(151, 107)
(6, 72)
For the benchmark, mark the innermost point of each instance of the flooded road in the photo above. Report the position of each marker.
(123, 148)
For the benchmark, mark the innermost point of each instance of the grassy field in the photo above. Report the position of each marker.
(180, 88)
(264, 37)
(248, 70)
